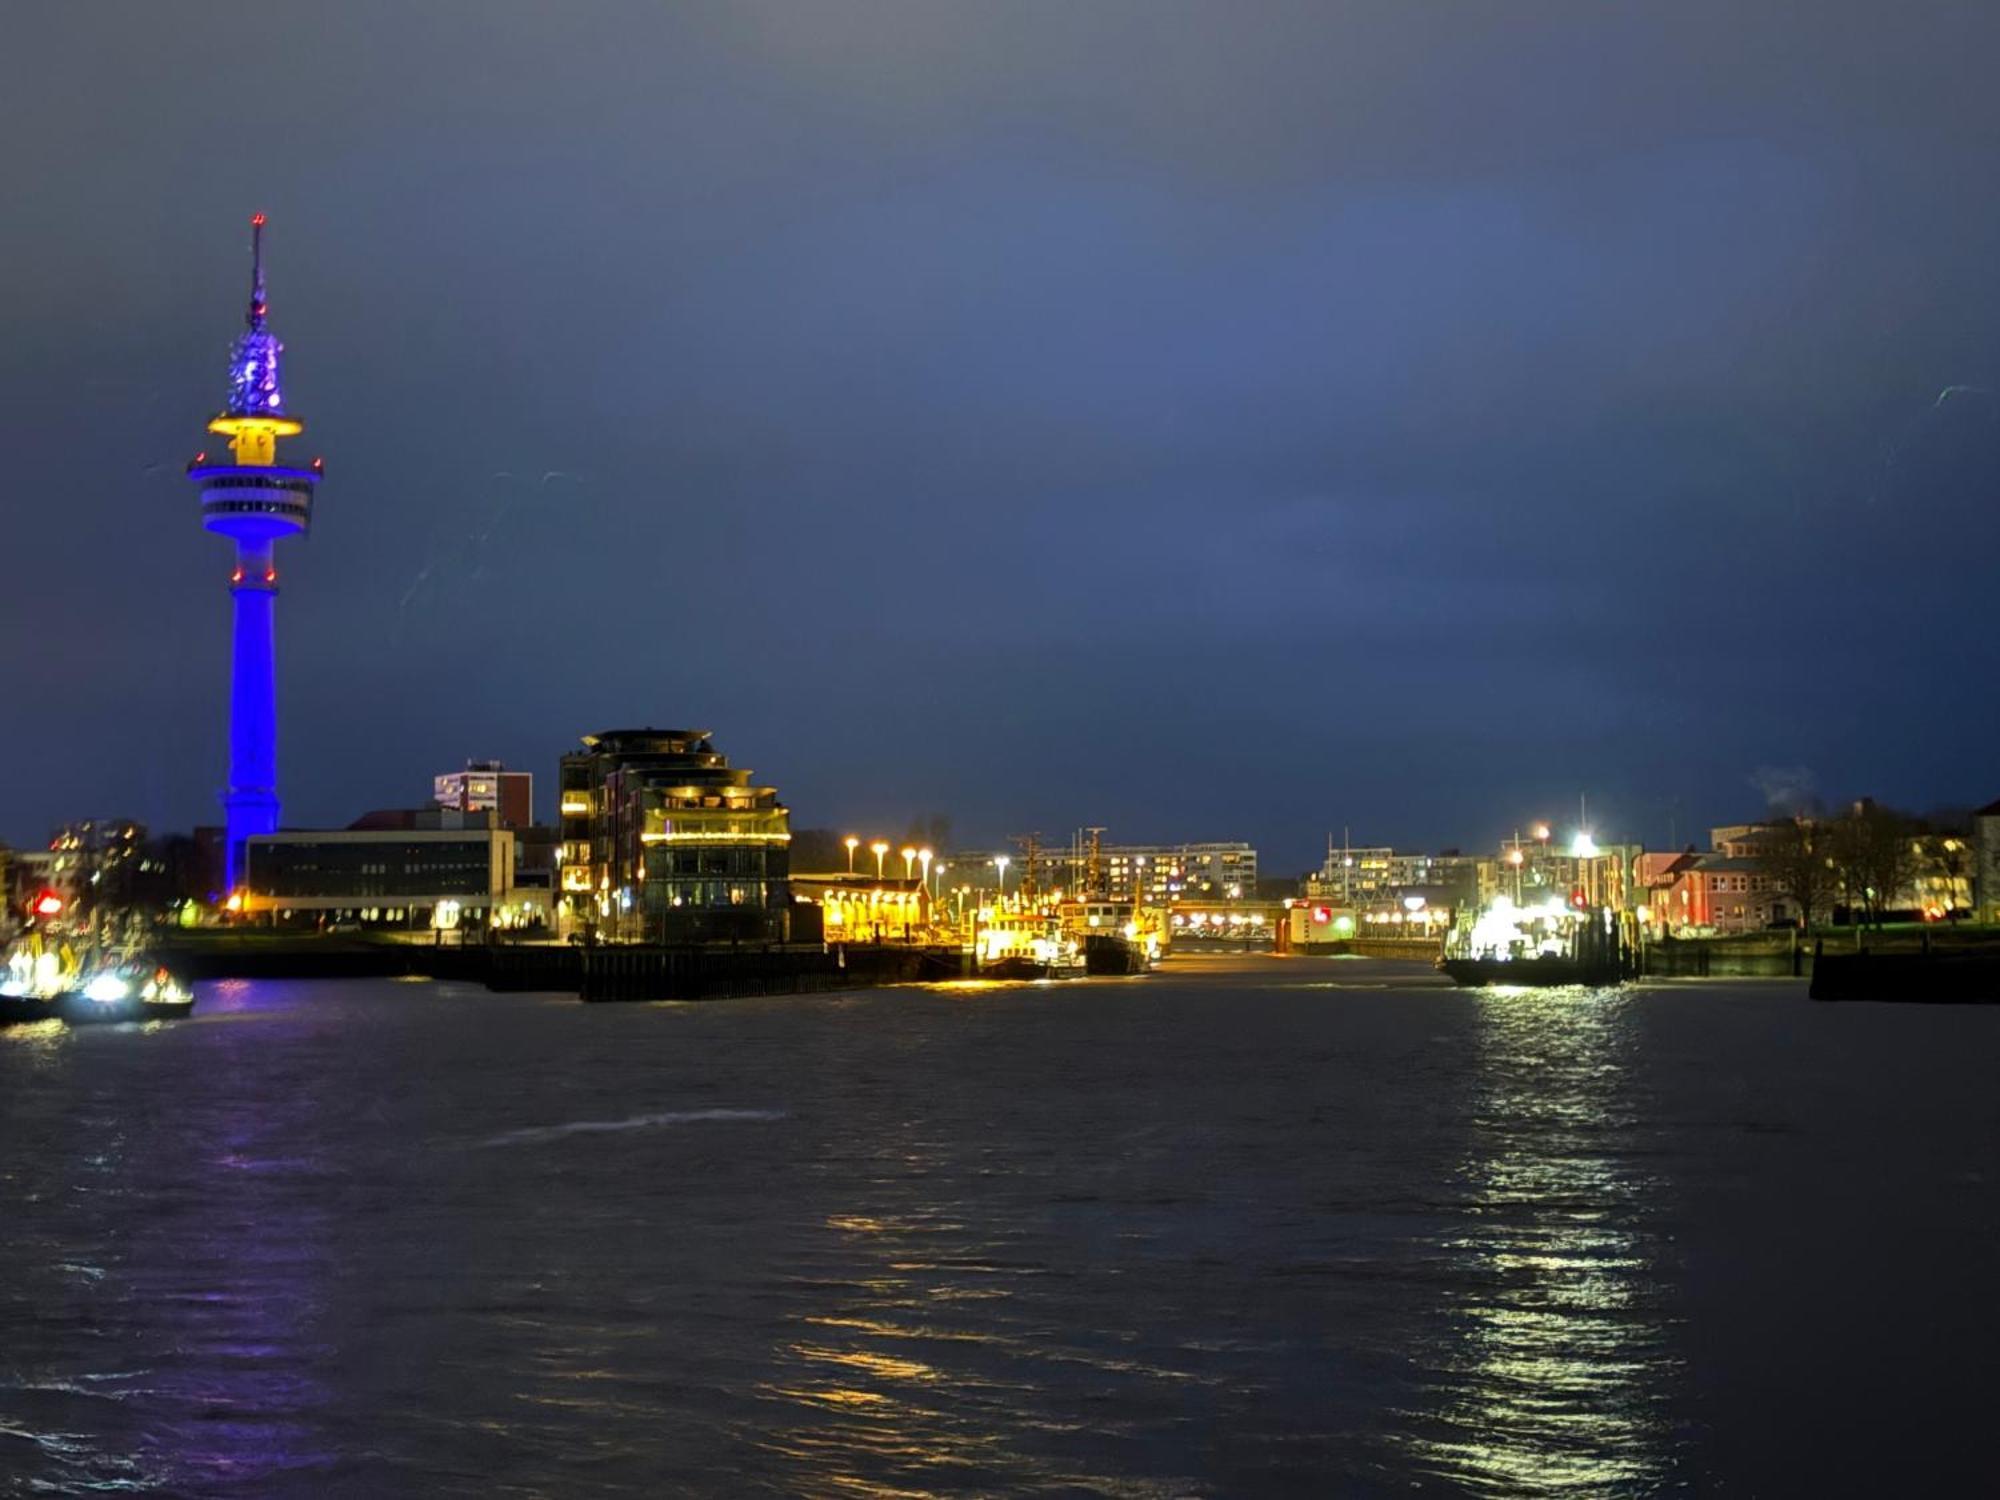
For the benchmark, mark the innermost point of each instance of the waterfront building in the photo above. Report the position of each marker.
(1352, 874)
(400, 869)
(1159, 874)
(861, 909)
(663, 841)
(1378, 878)
(1713, 894)
(95, 858)
(256, 502)
(488, 786)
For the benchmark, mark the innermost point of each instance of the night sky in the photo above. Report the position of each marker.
(1244, 420)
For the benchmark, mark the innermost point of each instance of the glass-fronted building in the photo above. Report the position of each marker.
(663, 841)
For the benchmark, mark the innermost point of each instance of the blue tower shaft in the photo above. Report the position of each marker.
(250, 805)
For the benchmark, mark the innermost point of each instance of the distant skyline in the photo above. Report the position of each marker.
(1206, 421)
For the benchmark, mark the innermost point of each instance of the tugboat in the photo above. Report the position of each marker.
(1115, 936)
(1026, 945)
(1546, 945)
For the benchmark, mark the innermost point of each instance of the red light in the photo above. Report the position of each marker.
(47, 904)
(258, 220)
(237, 576)
(201, 458)
(1322, 914)
(270, 575)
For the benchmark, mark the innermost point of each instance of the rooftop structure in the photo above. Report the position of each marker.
(487, 785)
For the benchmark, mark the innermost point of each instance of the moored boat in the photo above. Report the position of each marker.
(46, 979)
(1541, 971)
(128, 991)
(1548, 944)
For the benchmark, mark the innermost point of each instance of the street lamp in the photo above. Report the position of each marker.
(924, 858)
(878, 849)
(909, 858)
(1002, 861)
(852, 843)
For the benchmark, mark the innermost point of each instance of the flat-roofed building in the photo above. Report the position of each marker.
(488, 786)
(398, 870)
(1159, 873)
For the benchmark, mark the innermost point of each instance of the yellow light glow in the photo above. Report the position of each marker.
(680, 837)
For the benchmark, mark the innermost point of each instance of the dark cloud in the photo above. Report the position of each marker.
(1199, 419)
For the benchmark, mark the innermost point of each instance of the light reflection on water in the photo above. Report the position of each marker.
(1556, 1374)
(1212, 1233)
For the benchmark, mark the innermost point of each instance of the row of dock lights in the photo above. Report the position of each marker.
(912, 856)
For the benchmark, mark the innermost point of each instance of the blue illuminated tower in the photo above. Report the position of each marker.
(254, 500)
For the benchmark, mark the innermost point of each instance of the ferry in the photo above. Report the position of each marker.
(1549, 944)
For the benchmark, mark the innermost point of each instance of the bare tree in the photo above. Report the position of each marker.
(1875, 849)
(1793, 856)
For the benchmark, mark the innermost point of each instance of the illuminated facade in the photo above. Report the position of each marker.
(412, 877)
(862, 909)
(1157, 873)
(488, 786)
(663, 841)
(254, 501)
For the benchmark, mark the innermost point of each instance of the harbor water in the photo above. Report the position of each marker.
(1244, 1226)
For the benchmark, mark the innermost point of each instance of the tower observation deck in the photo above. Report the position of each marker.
(255, 501)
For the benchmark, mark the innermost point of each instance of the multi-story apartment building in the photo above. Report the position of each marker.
(1158, 874)
(1378, 876)
(663, 841)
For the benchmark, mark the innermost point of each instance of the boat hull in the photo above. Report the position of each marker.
(1110, 954)
(1019, 967)
(1533, 972)
(78, 1009)
(24, 1010)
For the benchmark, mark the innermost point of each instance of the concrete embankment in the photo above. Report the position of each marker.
(594, 973)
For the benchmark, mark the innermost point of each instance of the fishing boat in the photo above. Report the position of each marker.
(130, 990)
(46, 979)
